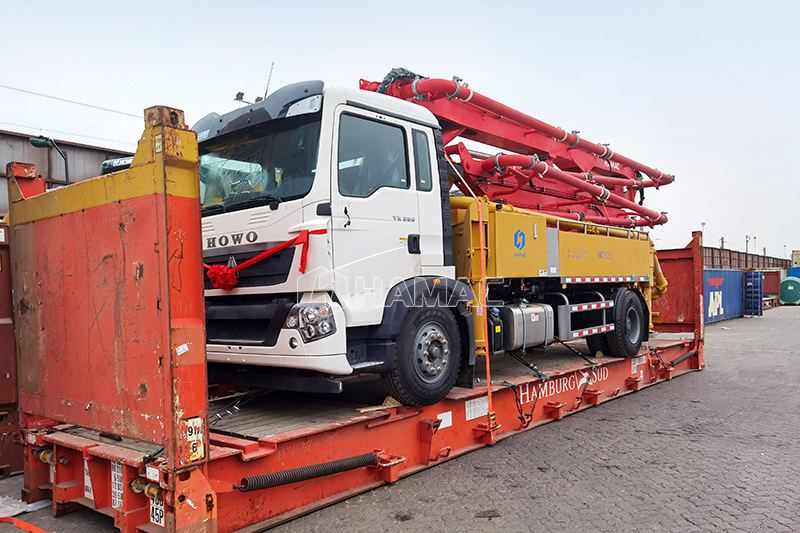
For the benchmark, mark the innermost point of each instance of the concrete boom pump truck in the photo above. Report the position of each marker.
(354, 231)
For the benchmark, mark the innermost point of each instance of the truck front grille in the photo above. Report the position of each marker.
(273, 270)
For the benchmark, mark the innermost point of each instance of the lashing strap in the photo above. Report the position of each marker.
(20, 524)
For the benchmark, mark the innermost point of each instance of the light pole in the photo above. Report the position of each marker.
(703, 227)
(46, 142)
(746, 248)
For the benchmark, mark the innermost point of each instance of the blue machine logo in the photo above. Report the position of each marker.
(519, 239)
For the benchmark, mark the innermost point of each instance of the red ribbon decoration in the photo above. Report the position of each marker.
(225, 278)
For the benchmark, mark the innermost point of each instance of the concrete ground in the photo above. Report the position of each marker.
(713, 450)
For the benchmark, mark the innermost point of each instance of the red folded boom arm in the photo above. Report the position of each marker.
(545, 168)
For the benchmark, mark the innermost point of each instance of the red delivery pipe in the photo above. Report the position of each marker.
(599, 192)
(615, 181)
(450, 89)
(608, 180)
(596, 219)
(571, 202)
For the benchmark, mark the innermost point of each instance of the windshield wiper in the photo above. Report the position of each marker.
(253, 201)
(212, 209)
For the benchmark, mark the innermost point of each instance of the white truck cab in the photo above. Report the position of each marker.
(366, 168)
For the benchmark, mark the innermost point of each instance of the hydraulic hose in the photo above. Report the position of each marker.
(284, 477)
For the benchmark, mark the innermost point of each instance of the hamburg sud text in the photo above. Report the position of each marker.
(529, 391)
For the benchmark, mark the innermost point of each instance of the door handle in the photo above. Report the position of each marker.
(413, 243)
(346, 224)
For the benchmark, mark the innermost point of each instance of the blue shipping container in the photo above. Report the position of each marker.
(753, 293)
(793, 272)
(723, 294)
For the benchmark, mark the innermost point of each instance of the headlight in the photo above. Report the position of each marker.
(310, 315)
(313, 321)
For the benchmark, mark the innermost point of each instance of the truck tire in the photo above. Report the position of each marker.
(427, 357)
(629, 325)
(598, 343)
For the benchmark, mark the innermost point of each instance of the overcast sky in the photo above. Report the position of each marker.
(706, 90)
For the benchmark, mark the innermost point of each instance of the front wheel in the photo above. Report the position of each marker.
(427, 358)
(629, 325)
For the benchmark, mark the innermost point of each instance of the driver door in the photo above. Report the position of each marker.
(374, 207)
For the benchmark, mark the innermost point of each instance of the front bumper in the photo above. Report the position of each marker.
(327, 355)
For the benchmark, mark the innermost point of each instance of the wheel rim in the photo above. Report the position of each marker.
(431, 352)
(633, 325)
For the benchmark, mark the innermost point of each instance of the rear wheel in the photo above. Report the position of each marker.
(629, 325)
(427, 359)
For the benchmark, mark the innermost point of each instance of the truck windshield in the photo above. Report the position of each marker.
(272, 162)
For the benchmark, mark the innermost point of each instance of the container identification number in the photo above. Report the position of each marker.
(157, 511)
(116, 485)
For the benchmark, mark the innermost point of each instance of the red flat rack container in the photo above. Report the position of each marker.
(115, 411)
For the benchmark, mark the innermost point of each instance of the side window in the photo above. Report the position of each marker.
(422, 161)
(372, 155)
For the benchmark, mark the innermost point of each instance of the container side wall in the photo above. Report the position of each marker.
(110, 313)
(680, 308)
(772, 283)
(723, 291)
